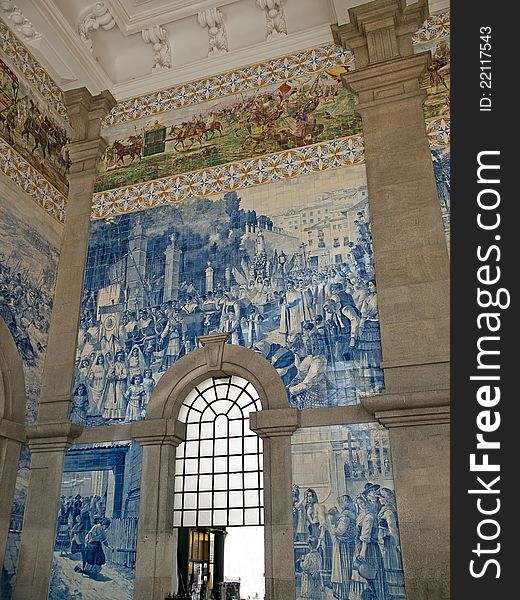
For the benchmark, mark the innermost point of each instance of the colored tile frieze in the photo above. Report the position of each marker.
(31, 69)
(233, 176)
(233, 82)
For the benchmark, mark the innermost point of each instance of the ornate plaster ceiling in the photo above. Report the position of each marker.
(133, 47)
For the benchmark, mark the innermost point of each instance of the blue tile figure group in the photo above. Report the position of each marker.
(297, 288)
(347, 547)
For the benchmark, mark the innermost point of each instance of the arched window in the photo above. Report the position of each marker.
(219, 469)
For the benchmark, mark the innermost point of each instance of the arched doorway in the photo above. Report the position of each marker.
(12, 429)
(169, 410)
(218, 486)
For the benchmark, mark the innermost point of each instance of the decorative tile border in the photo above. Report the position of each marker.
(35, 74)
(438, 131)
(31, 182)
(246, 173)
(240, 80)
(436, 26)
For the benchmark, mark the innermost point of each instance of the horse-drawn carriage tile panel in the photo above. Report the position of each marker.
(30, 128)
(284, 115)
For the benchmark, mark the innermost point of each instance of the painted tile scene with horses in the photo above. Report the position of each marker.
(281, 116)
(27, 124)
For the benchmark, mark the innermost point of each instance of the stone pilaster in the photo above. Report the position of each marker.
(276, 427)
(48, 444)
(12, 435)
(86, 113)
(156, 566)
(412, 273)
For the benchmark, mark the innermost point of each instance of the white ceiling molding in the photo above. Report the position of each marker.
(20, 24)
(132, 21)
(85, 67)
(213, 19)
(162, 54)
(234, 59)
(179, 50)
(274, 18)
(98, 15)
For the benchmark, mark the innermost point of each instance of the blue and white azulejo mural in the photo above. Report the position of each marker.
(96, 531)
(346, 531)
(286, 269)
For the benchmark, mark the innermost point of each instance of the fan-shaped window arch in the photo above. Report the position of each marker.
(219, 468)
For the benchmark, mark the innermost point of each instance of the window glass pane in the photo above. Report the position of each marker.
(206, 431)
(221, 465)
(205, 482)
(192, 431)
(177, 518)
(221, 426)
(251, 462)
(220, 517)
(250, 480)
(221, 407)
(205, 500)
(206, 448)
(191, 449)
(209, 482)
(235, 427)
(183, 413)
(234, 392)
(191, 465)
(221, 447)
(252, 498)
(235, 463)
(205, 518)
(206, 465)
(239, 381)
(190, 483)
(236, 517)
(252, 516)
(220, 482)
(220, 499)
(200, 404)
(235, 481)
(250, 444)
(189, 518)
(190, 500)
(235, 446)
(236, 499)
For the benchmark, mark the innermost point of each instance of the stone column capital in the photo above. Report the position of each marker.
(380, 30)
(12, 430)
(85, 114)
(389, 81)
(407, 409)
(275, 422)
(52, 437)
(87, 111)
(84, 155)
(159, 432)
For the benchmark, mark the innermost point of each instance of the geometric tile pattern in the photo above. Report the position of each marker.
(436, 26)
(31, 182)
(32, 70)
(241, 174)
(438, 131)
(240, 80)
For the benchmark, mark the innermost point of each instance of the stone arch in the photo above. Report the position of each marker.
(216, 358)
(12, 380)
(12, 429)
(275, 423)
